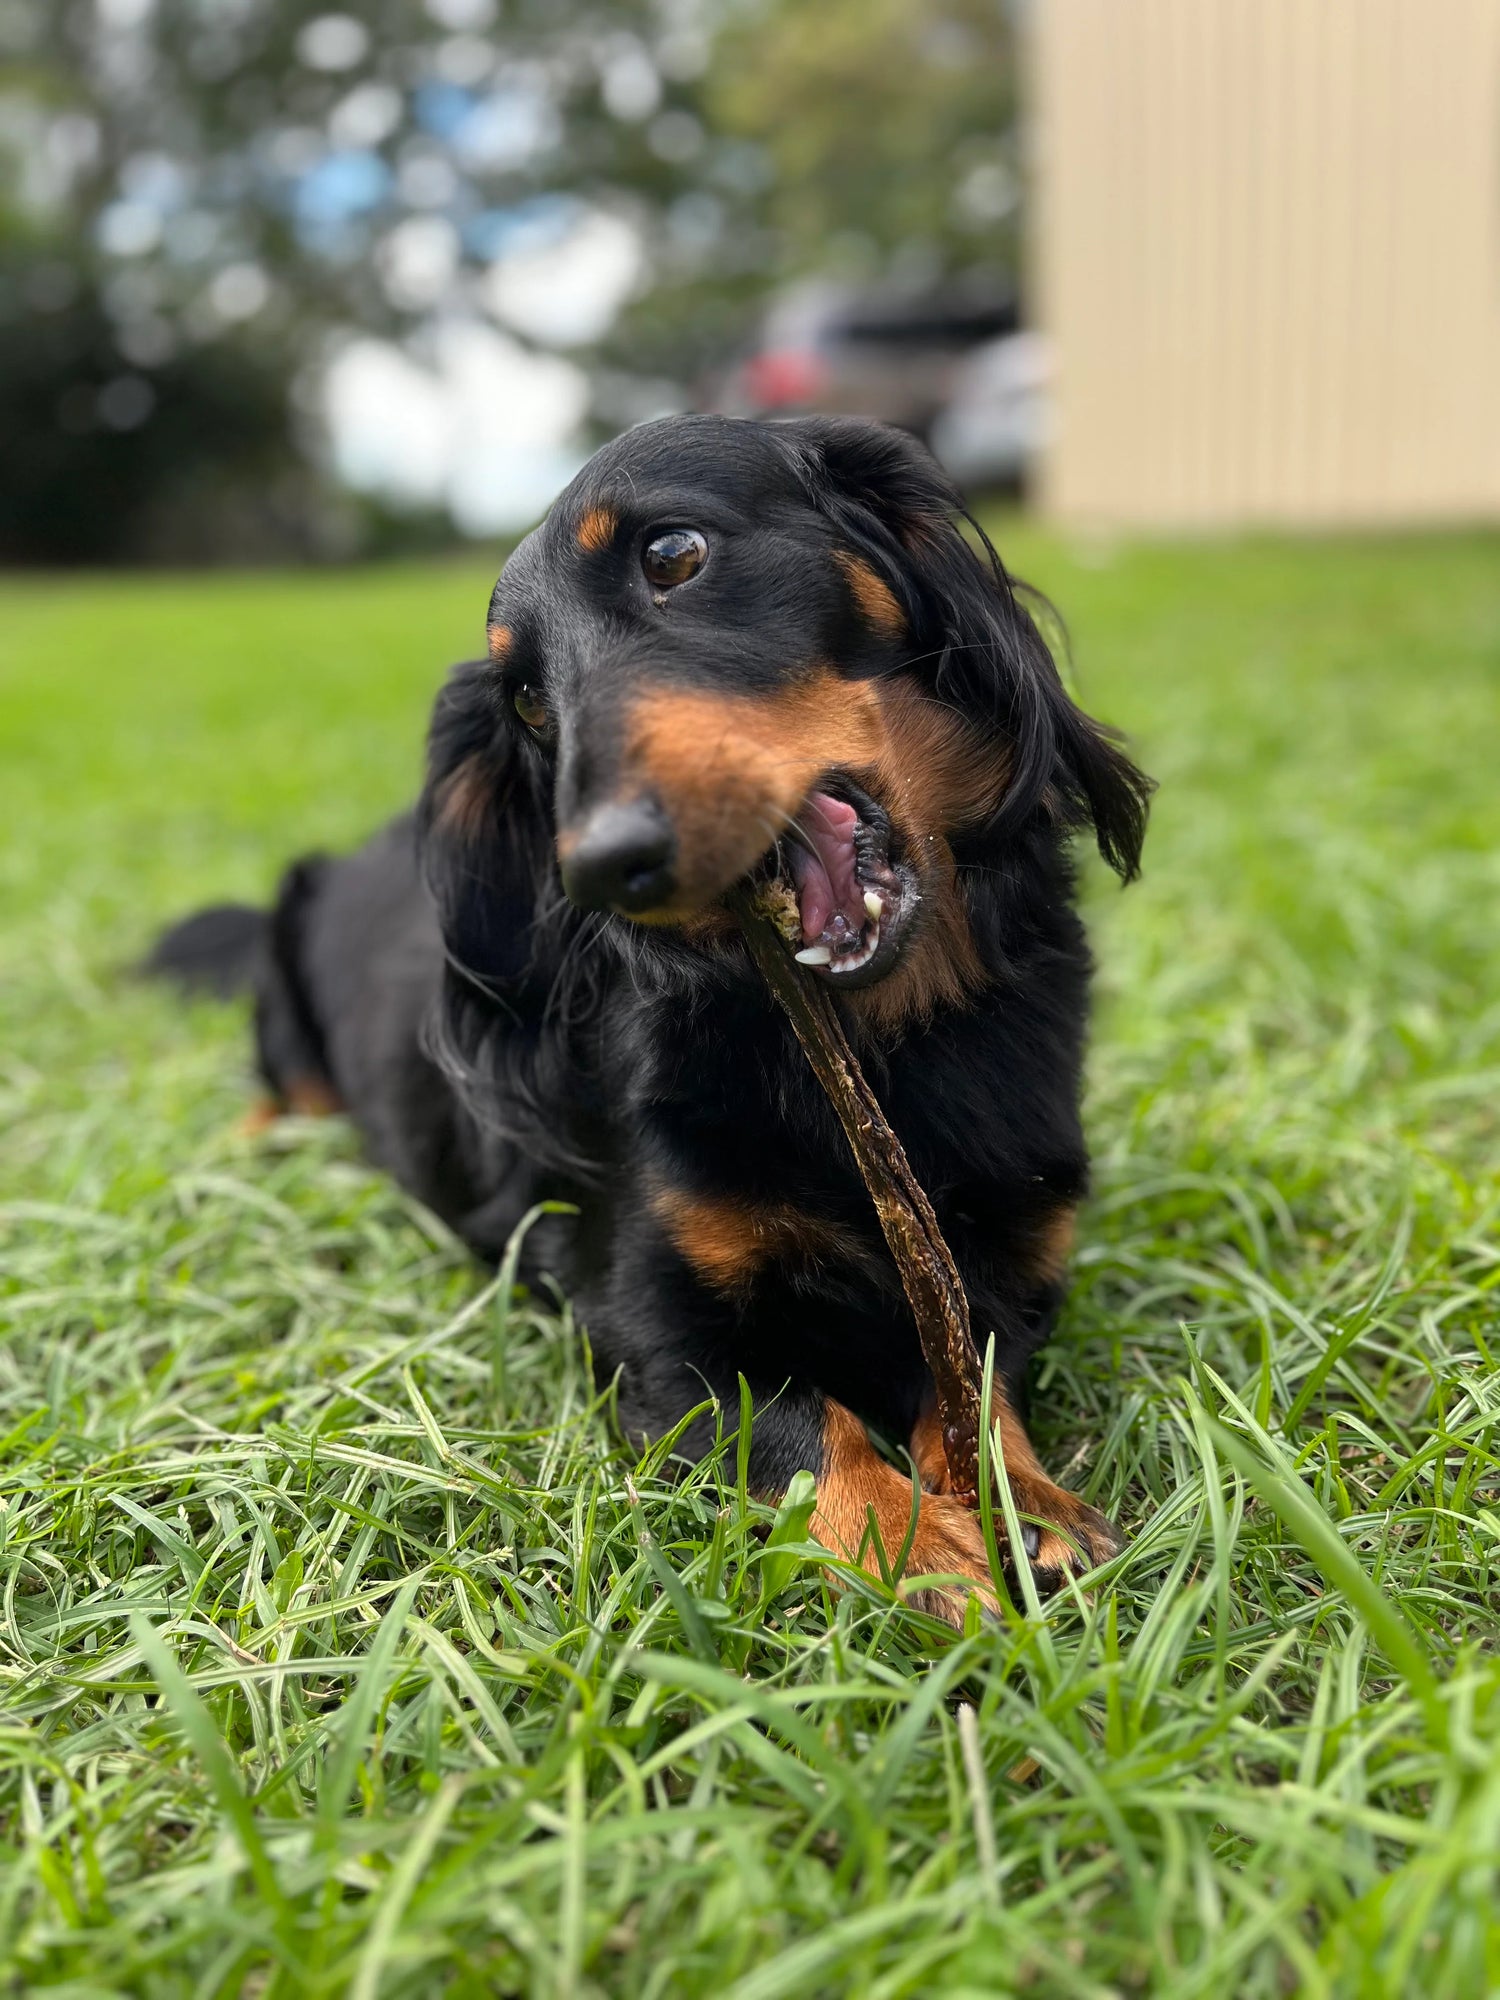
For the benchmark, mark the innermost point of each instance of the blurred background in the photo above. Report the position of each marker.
(280, 282)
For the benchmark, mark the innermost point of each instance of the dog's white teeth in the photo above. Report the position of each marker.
(838, 957)
(856, 960)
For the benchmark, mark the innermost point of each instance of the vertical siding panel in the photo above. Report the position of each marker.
(1476, 138)
(1249, 163)
(1125, 160)
(1135, 296)
(1237, 106)
(1385, 261)
(1268, 253)
(1204, 249)
(1294, 267)
(1329, 213)
(1166, 218)
(1267, 326)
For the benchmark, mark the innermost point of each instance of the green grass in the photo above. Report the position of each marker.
(343, 1653)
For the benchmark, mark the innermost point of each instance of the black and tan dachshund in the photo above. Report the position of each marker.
(733, 650)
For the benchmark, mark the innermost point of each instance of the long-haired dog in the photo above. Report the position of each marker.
(734, 650)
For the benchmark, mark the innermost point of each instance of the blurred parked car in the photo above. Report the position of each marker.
(954, 367)
(997, 417)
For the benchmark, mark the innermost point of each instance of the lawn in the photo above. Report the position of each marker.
(341, 1651)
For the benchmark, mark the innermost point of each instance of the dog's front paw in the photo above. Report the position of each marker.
(1068, 1538)
(949, 1543)
(1065, 1535)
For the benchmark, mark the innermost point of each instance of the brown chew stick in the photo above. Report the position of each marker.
(929, 1275)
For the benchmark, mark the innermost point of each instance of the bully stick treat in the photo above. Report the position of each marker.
(929, 1275)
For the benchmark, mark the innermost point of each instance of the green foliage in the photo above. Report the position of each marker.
(890, 128)
(343, 1652)
(199, 199)
(204, 465)
(862, 141)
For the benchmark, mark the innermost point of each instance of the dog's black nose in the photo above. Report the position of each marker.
(622, 858)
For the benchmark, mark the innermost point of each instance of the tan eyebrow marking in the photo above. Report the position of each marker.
(596, 529)
(501, 640)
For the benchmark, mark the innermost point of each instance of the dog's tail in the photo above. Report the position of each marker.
(233, 948)
(218, 951)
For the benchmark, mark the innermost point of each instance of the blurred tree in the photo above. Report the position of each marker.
(184, 460)
(872, 141)
(198, 196)
(889, 129)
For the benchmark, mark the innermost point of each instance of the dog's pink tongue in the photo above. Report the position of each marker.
(827, 890)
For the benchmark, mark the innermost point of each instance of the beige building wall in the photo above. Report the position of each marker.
(1267, 252)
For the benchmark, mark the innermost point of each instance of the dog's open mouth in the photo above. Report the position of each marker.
(843, 890)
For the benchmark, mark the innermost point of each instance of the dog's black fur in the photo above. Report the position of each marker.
(498, 1046)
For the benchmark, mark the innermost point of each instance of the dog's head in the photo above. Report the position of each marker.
(737, 648)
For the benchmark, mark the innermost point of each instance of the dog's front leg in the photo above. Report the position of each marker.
(672, 1336)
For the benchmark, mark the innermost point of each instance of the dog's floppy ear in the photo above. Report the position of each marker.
(485, 838)
(972, 634)
(485, 829)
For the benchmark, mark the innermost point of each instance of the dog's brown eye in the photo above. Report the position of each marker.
(529, 705)
(674, 557)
